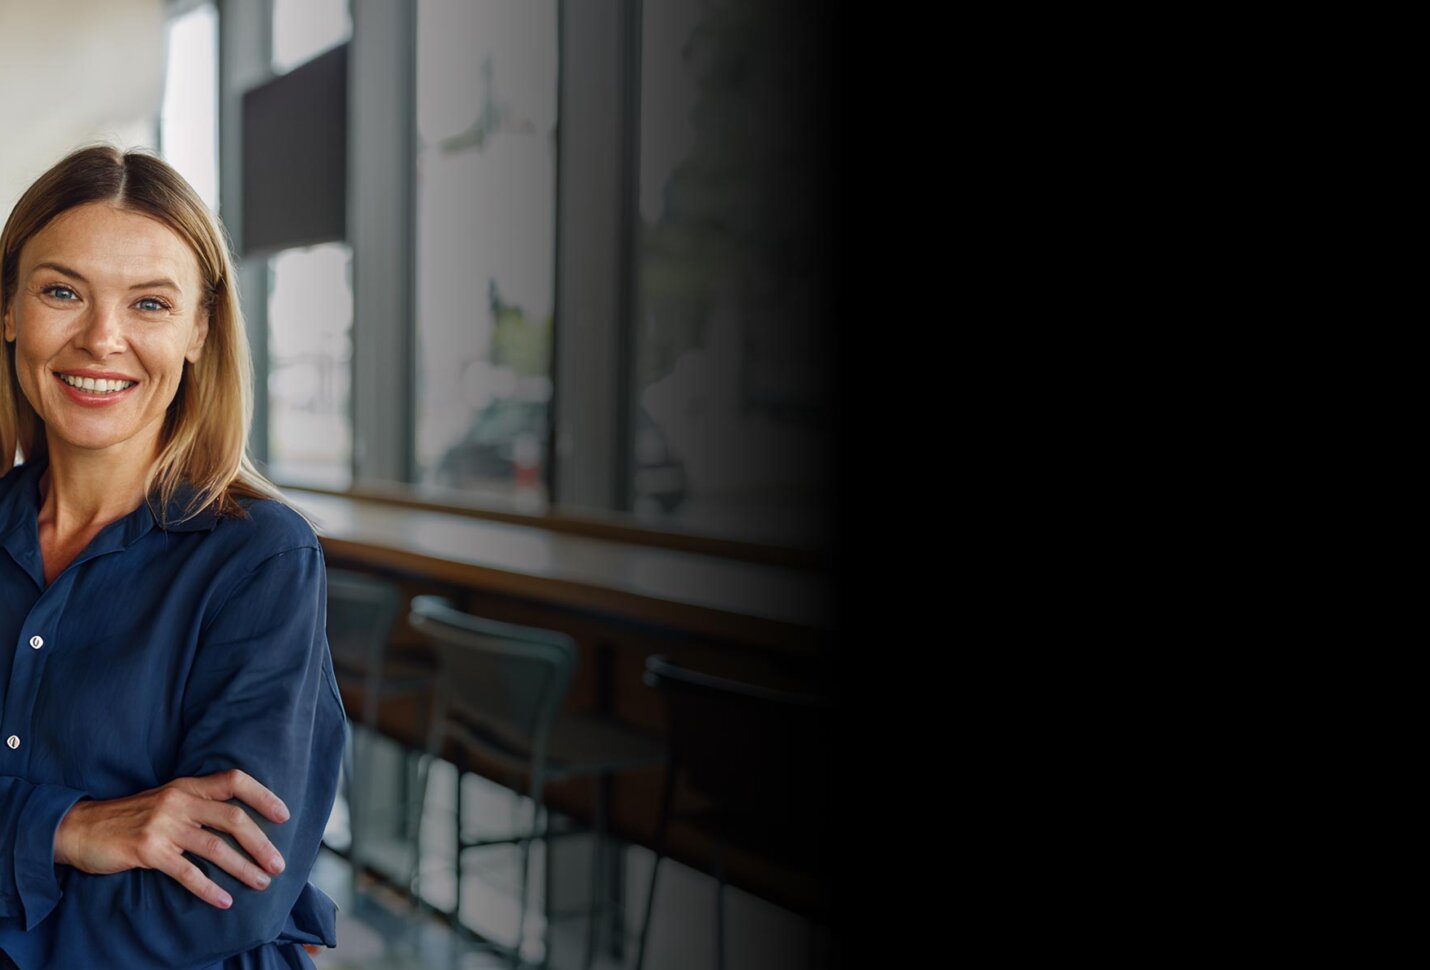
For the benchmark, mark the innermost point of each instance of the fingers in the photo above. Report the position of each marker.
(213, 847)
(235, 821)
(188, 875)
(203, 809)
(238, 784)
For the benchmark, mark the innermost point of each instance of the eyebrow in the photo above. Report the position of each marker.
(64, 270)
(151, 284)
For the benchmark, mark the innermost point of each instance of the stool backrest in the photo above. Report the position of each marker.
(762, 754)
(500, 678)
(361, 611)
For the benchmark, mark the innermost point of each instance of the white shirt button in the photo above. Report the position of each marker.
(37, 642)
(13, 741)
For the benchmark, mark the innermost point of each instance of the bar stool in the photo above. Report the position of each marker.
(362, 610)
(760, 762)
(500, 696)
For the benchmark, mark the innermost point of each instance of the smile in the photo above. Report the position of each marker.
(95, 392)
(101, 386)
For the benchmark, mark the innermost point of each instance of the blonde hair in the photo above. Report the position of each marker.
(204, 439)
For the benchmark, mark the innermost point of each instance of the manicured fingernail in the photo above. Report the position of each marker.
(276, 863)
(282, 812)
(224, 899)
(263, 881)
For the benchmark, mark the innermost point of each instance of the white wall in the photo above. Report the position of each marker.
(74, 72)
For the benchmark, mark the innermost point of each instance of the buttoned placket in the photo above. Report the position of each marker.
(39, 634)
(37, 641)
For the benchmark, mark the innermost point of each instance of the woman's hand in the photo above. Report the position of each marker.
(153, 829)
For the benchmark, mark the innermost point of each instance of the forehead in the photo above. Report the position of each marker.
(107, 244)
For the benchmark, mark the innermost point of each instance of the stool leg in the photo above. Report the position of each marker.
(597, 914)
(719, 867)
(457, 898)
(349, 788)
(360, 800)
(660, 831)
(550, 869)
(424, 770)
(536, 807)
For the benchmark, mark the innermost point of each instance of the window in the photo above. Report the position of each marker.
(303, 29)
(731, 372)
(188, 125)
(310, 315)
(309, 304)
(485, 254)
(696, 380)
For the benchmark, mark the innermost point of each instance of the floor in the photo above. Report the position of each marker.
(378, 927)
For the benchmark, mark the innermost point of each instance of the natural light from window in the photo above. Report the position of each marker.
(188, 121)
(303, 29)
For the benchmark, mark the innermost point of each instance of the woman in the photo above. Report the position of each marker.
(170, 730)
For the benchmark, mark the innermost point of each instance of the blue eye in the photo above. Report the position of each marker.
(151, 304)
(60, 292)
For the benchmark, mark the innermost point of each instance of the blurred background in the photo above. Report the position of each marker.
(539, 298)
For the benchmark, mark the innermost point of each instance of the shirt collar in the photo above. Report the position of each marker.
(171, 518)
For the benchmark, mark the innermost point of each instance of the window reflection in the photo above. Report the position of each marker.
(486, 144)
(732, 372)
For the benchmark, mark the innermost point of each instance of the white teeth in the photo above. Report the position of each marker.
(100, 386)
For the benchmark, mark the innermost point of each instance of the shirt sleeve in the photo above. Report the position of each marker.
(29, 815)
(261, 697)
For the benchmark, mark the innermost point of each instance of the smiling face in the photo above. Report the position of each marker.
(108, 306)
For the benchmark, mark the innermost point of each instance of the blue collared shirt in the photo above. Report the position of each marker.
(162, 651)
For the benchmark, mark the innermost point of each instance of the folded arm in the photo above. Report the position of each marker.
(260, 699)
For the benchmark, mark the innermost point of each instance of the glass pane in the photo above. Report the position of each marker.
(732, 393)
(303, 29)
(310, 319)
(486, 175)
(188, 122)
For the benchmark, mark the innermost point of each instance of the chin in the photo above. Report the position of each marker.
(90, 439)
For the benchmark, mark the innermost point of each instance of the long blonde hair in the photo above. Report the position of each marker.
(204, 439)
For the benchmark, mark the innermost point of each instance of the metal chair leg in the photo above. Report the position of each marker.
(349, 788)
(457, 894)
(360, 757)
(719, 867)
(414, 870)
(532, 834)
(597, 915)
(660, 832)
(550, 870)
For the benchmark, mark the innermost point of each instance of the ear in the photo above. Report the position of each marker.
(196, 343)
(10, 321)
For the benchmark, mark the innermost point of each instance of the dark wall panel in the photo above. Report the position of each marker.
(295, 135)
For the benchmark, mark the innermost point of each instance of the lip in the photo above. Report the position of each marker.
(94, 400)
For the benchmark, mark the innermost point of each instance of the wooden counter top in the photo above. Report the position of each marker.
(752, 603)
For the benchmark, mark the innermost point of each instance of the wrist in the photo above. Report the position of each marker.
(66, 833)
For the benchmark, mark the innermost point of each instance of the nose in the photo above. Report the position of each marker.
(102, 334)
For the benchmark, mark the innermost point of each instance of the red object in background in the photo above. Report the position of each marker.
(527, 460)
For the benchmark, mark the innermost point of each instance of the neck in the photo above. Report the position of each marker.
(81, 489)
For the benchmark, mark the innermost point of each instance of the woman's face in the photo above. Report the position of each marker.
(107, 307)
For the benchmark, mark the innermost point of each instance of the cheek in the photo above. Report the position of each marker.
(26, 353)
(162, 360)
(36, 336)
